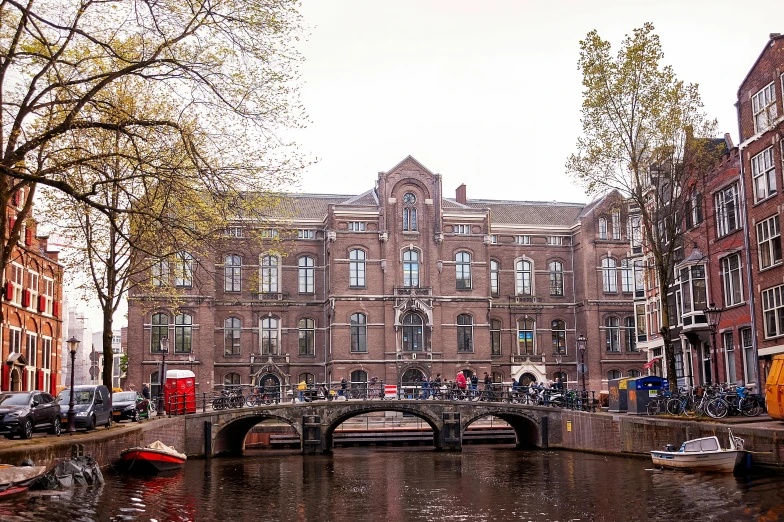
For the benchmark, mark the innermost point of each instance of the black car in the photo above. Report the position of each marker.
(129, 405)
(92, 406)
(22, 413)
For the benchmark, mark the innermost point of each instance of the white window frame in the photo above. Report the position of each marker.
(523, 240)
(356, 268)
(46, 353)
(731, 279)
(14, 340)
(31, 348)
(160, 273)
(627, 276)
(555, 240)
(306, 275)
(768, 236)
(269, 233)
(48, 294)
(17, 278)
(773, 311)
(306, 233)
(609, 275)
(32, 285)
(747, 345)
(183, 276)
(495, 268)
(236, 232)
(726, 201)
(763, 173)
(729, 356)
(494, 239)
(602, 228)
(763, 107)
(463, 270)
(616, 225)
(357, 226)
(270, 274)
(232, 273)
(521, 288)
(463, 230)
(270, 333)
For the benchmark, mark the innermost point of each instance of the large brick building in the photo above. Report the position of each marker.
(397, 282)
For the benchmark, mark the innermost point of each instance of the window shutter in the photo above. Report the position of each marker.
(11, 223)
(26, 295)
(9, 290)
(28, 236)
(41, 303)
(56, 309)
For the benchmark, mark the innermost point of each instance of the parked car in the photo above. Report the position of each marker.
(129, 405)
(92, 406)
(22, 413)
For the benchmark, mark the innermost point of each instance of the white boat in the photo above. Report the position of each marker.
(705, 454)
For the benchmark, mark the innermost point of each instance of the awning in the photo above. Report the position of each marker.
(16, 358)
(650, 363)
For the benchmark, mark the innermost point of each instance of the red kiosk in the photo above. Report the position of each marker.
(179, 392)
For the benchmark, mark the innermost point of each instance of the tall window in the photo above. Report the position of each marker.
(773, 311)
(727, 210)
(495, 337)
(358, 333)
(642, 328)
(769, 242)
(602, 228)
(31, 348)
(559, 336)
(356, 268)
(731, 280)
(694, 296)
(729, 349)
(523, 277)
(183, 333)
(269, 336)
(409, 212)
(556, 278)
(15, 340)
(155, 384)
(46, 353)
(410, 268)
(232, 274)
(525, 337)
(463, 270)
(465, 333)
(763, 105)
(307, 337)
(232, 329)
(269, 274)
(613, 334)
(764, 173)
(306, 275)
(748, 356)
(616, 224)
(412, 333)
(635, 232)
(627, 276)
(159, 329)
(495, 288)
(630, 334)
(183, 273)
(609, 275)
(232, 379)
(160, 273)
(694, 209)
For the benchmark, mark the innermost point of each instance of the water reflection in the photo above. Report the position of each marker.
(482, 483)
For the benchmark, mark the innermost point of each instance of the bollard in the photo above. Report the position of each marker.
(208, 439)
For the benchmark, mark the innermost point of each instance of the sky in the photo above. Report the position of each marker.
(487, 93)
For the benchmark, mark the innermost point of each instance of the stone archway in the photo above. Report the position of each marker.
(230, 440)
(15, 379)
(527, 431)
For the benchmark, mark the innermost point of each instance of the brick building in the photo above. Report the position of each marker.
(397, 282)
(32, 296)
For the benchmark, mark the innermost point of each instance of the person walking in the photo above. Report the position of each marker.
(460, 382)
(343, 387)
(146, 392)
(474, 385)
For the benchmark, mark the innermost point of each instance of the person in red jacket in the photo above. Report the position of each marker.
(460, 380)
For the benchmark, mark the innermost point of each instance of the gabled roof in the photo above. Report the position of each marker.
(451, 203)
(529, 212)
(414, 160)
(368, 198)
(308, 206)
(773, 37)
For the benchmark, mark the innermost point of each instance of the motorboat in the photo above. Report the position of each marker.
(15, 480)
(703, 454)
(153, 458)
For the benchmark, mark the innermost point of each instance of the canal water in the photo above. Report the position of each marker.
(483, 483)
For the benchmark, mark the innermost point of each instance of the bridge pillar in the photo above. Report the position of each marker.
(311, 434)
(451, 435)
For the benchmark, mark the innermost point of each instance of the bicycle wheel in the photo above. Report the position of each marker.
(717, 408)
(217, 403)
(673, 406)
(653, 407)
(749, 407)
(250, 400)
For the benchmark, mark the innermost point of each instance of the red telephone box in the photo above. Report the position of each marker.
(179, 392)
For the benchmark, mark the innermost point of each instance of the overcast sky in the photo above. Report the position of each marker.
(488, 93)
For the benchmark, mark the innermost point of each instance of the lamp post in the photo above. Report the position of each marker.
(252, 360)
(162, 376)
(191, 358)
(581, 342)
(713, 315)
(73, 345)
(559, 360)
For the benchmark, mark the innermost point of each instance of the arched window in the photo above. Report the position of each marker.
(609, 276)
(613, 374)
(409, 212)
(465, 333)
(627, 276)
(602, 228)
(616, 224)
(410, 269)
(269, 274)
(630, 334)
(306, 275)
(564, 378)
(495, 337)
(309, 378)
(411, 377)
(232, 379)
(159, 330)
(358, 378)
(183, 333)
(613, 334)
(525, 337)
(307, 337)
(413, 340)
(232, 274)
(269, 336)
(356, 270)
(633, 373)
(463, 270)
(160, 273)
(523, 277)
(358, 333)
(232, 328)
(556, 278)
(495, 288)
(155, 384)
(183, 271)
(559, 336)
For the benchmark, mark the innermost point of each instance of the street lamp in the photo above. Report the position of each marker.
(162, 375)
(559, 360)
(252, 360)
(191, 358)
(581, 342)
(73, 345)
(713, 315)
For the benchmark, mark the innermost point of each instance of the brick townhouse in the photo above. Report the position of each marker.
(32, 325)
(400, 282)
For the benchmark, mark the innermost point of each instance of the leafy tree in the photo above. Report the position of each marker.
(644, 134)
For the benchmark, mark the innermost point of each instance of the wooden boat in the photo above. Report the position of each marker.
(15, 480)
(154, 458)
(704, 454)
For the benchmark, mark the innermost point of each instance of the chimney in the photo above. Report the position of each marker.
(460, 194)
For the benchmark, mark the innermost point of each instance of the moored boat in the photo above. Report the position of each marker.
(152, 459)
(15, 480)
(703, 454)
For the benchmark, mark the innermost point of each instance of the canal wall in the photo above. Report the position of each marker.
(629, 434)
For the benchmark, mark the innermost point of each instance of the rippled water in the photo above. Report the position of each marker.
(481, 483)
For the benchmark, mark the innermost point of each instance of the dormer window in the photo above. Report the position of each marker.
(409, 212)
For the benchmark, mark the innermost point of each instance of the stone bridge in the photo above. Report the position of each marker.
(224, 432)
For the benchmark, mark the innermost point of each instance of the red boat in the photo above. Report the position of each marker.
(151, 459)
(15, 480)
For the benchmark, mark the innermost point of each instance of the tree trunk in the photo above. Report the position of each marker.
(108, 355)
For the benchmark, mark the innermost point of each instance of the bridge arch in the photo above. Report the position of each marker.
(526, 428)
(230, 439)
